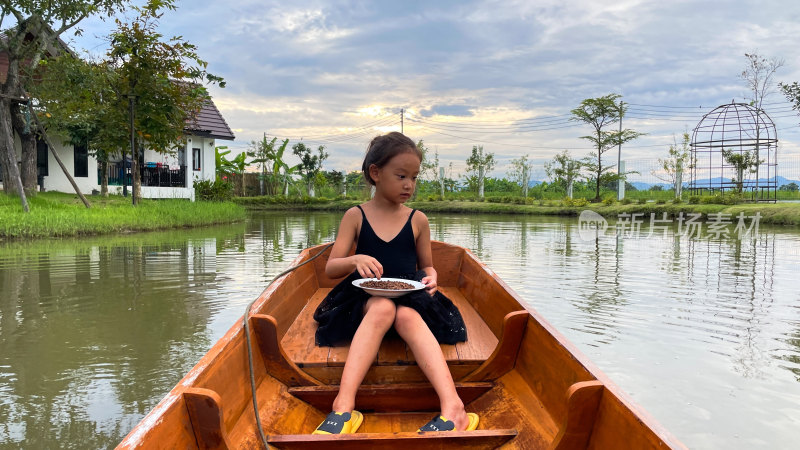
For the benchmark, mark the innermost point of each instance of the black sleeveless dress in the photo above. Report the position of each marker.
(340, 313)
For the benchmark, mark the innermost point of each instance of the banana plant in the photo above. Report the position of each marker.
(240, 165)
(224, 167)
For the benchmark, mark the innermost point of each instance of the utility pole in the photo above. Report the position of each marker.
(621, 181)
(401, 119)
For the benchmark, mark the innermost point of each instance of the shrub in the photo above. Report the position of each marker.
(676, 201)
(213, 191)
(608, 201)
(694, 199)
(575, 202)
(626, 201)
(642, 201)
(661, 201)
(728, 198)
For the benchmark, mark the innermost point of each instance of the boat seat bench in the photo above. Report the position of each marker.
(389, 397)
(326, 363)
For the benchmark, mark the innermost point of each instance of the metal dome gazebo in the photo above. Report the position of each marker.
(740, 129)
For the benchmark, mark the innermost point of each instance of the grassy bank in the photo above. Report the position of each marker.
(777, 214)
(55, 214)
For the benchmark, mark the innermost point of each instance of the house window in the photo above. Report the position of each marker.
(42, 168)
(196, 158)
(182, 156)
(81, 160)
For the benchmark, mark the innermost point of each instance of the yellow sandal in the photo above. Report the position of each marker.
(340, 423)
(440, 423)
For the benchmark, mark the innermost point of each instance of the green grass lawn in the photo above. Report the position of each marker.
(55, 214)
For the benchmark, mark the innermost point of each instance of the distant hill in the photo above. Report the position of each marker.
(642, 186)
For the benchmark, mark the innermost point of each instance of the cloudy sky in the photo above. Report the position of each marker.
(502, 74)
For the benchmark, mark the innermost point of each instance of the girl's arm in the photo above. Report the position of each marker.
(339, 264)
(424, 254)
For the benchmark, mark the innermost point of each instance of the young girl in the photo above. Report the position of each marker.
(391, 240)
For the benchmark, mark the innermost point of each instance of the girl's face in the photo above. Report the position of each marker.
(398, 178)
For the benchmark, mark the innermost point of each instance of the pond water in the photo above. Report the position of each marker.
(702, 331)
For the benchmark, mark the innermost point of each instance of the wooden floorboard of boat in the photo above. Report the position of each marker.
(478, 440)
(404, 397)
(299, 345)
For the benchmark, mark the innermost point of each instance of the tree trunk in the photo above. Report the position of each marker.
(739, 179)
(104, 178)
(678, 183)
(12, 182)
(569, 188)
(27, 135)
(137, 176)
(480, 181)
(262, 180)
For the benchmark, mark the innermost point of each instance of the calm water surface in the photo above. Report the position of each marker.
(704, 333)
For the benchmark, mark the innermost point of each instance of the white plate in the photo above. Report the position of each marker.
(388, 293)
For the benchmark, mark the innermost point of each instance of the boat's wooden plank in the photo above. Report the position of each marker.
(583, 399)
(290, 297)
(323, 280)
(205, 413)
(505, 354)
(487, 293)
(447, 262)
(385, 374)
(336, 357)
(513, 404)
(617, 427)
(227, 374)
(392, 351)
(481, 342)
(389, 397)
(299, 343)
(478, 439)
(280, 412)
(393, 422)
(549, 367)
(275, 360)
(173, 427)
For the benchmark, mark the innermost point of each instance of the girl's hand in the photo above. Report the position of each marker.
(430, 284)
(367, 266)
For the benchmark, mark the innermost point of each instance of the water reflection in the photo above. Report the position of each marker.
(93, 332)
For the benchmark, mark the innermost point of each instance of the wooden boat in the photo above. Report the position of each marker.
(531, 387)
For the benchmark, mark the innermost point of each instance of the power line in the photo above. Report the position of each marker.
(566, 124)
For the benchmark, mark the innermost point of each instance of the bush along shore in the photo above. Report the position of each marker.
(55, 214)
(770, 213)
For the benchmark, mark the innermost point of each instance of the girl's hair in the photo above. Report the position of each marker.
(385, 147)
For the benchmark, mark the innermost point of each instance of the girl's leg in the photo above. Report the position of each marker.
(420, 339)
(379, 314)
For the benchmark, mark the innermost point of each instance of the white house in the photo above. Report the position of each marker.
(163, 176)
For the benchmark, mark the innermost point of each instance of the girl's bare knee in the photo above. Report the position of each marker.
(381, 310)
(404, 319)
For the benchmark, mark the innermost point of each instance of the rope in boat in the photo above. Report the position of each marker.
(250, 345)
